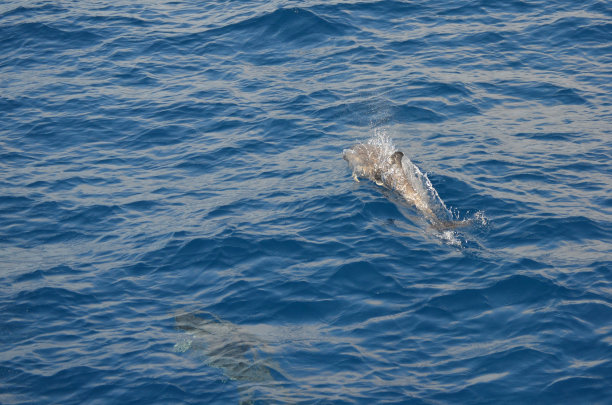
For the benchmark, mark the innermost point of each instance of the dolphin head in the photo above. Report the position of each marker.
(364, 160)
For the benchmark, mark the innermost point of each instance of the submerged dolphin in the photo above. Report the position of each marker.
(384, 167)
(228, 347)
(225, 346)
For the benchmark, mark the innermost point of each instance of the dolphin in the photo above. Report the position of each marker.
(228, 347)
(386, 168)
(378, 160)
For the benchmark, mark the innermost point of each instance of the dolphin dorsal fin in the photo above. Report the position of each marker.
(397, 157)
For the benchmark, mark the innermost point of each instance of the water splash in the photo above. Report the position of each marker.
(382, 140)
(426, 191)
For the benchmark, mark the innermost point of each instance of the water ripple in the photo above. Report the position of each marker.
(167, 158)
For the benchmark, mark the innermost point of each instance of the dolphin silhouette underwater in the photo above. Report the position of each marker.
(225, 345)
(230, 348)
(378, 160)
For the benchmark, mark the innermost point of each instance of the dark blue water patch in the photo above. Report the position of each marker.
(593, 310)
(57, 222)
(388, 14)
(502, 168)
(8, 105)
(202, 163)
(593, 34)
(142, 205)
(33, 11)
(164, 257)
(523, 290)
(65, 131)
(580, 32)
(550, 136)
(237, 252)
(39, 36)
(60, 385)
(47, 235)
(41, 274)
(411, 113)
(544, 93)
(487, 377)
(606, 202)
(134, 76)
(120, 21)
(509, 6)
(410, 46)
(454, 109)
(70, 183)
(280, 29)
(95, 216)
(552, 231)
(325, 95)
(486, 39)
(472, 10)
(301, 23)
(55, 302)
(590, 389)
(586, 183)
(586, 166)
(446, 140)
(601, 7)
(14, 204)
(313, 310)
(161, 136)
(430, 317)
(464, 303)
(443, 88)
(235, 208)
(356, 55)
(361, 277)
(528, 176)
(356, 113)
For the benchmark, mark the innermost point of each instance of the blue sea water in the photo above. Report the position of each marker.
(177, 224)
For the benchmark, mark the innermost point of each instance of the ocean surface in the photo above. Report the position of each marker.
(178, 225)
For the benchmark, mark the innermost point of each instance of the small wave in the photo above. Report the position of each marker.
(297, 26)
(30, 11)
(39, 35)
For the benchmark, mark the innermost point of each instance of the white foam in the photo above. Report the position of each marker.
(382, 140)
